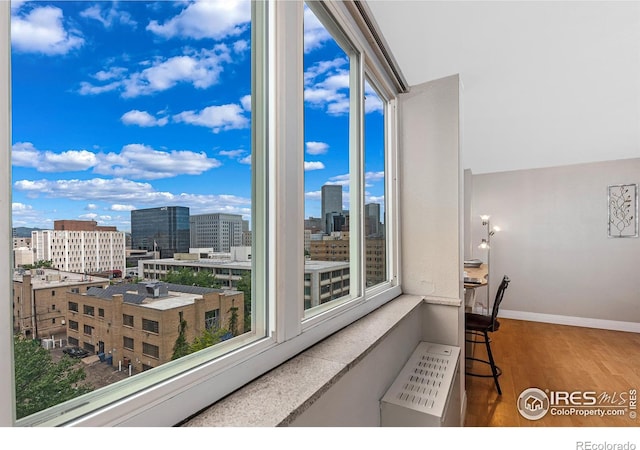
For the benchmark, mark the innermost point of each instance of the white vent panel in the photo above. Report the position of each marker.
(422, 388)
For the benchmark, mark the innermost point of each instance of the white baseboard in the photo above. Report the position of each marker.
(616, 325)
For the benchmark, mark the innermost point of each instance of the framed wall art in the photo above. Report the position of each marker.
(622, 202)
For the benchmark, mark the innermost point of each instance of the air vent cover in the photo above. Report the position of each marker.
(420, 394)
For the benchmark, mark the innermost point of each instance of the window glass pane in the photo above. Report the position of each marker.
(132, 141)
(326, 165)
(374, 207)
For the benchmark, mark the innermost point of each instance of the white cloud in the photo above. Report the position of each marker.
(108, 16)
(120, 191)
(206, 19)
(327, 86)
(323, 67)
(89, 89)
(315, 34)
(24, 215)
(342, 180)
(20, 207)
(138, 161)
(201, 69)
(245, 160)
(142, 119)
(218, 118)
(88, 216)
(241, 46)
(313, 195)
(71, 160)
(246, 102)
(372, 103)
(233, 154)
(112, 73)
(317, 148)
(41, 30)
(374, 199)
(313, 165)
(374, 176)
(91, 207)
(24, 154)
(117, 207)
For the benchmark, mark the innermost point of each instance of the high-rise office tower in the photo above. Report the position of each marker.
(164, 230)
(372, 219)
(217, 230)
(331, 204)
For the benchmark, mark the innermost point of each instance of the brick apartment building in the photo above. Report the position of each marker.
(40, 300)
(138, 324)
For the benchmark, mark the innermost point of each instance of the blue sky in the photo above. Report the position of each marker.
(127, 105)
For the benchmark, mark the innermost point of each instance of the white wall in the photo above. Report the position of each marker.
(430, 180)
(554, 244)
(540, 77)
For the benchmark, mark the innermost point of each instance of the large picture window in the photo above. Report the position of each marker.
(151, 154)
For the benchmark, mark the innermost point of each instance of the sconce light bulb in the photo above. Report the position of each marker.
(496, 229)
(485, 217)
(484, 244)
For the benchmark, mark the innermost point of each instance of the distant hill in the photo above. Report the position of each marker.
(24, 232)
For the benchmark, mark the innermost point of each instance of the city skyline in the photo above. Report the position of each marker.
(119, 106)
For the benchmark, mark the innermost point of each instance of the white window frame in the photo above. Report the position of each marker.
(171, 393)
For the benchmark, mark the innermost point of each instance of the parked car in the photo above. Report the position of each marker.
(75, 352)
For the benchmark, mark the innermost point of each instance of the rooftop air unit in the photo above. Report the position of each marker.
(426, 391)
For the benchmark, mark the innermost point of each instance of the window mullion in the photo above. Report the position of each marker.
(7, 396)
(287, 149)
(356, 177)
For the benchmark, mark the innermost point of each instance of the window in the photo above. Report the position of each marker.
(374, 167)
(88, 310)
(150, 325)
(150, 350)
(100, 312)
(212, 319)
(88, 330)
(73, 325)
(127, 342)
(276, 133)
(127, 320)
(327, 105)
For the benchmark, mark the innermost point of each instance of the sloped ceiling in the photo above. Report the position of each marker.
(544, 83)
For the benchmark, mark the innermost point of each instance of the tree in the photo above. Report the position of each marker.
(244, 285)
(46, 264)
(181, 347)
(207, 339)
(189, 277)
(233, 320)
(41, 382)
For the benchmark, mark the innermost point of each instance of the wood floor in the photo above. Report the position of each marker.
(554, 358)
